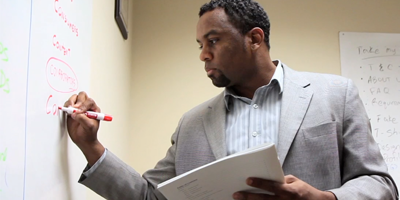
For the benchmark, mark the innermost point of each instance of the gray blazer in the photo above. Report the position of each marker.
(324, 139)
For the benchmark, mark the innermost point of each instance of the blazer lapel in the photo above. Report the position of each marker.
(295, 101)
(214, 125)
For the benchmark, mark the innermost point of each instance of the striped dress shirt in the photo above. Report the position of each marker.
(251, 122)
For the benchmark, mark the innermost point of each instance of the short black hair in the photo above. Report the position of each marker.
(243, 14)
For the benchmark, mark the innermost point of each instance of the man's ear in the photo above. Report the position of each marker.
(256, 36)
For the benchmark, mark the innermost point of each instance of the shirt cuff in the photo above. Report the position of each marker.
(90, 169)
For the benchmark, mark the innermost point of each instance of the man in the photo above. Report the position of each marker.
(317, 121)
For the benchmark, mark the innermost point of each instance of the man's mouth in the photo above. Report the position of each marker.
(210, 71)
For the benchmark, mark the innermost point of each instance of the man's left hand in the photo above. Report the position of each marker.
(292, 188)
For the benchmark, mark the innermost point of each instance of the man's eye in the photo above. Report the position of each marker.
(201, 47)
(213, 41)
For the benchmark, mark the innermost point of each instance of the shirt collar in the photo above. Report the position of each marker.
(278, 77)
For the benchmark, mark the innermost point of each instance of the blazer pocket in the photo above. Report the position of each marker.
(320, 130)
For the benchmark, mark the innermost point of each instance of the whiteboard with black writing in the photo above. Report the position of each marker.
(372, 61)
(44, 59)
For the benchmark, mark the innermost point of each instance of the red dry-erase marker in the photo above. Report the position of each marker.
(90, 114)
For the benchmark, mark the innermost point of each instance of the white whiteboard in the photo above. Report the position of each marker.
(44, 59)
(372, 61)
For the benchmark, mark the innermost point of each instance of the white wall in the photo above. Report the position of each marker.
(111, 79)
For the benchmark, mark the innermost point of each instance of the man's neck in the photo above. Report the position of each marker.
(261, 79)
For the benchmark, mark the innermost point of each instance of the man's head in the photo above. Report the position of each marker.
(233, 43)
(243, 14)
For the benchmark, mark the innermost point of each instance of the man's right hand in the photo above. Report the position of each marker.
(83, 130)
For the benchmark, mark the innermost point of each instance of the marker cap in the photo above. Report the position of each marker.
(108, 118)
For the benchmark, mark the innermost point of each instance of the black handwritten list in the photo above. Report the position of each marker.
(372, 61)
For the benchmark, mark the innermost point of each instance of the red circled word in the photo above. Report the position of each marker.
(60, 46)
(60, 76)
(63, 16)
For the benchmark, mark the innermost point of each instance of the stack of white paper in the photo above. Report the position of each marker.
(220, 179)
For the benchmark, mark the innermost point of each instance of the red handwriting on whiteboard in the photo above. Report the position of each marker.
(63, 16)
(51, 107)
(60, 46)
(60, 76)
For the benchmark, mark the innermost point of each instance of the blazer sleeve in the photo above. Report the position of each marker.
(364, 172)
(115, 180)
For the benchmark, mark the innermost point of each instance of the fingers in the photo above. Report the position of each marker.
(251, 196)
(270, 187)
(76, 100)
(80, 99)
(290, 179)
(263, 184)
(292, 188)
(88, 105)
(71, 101)
(83, 102)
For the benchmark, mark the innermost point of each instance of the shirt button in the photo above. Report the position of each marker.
(255, 106)
(254, 134)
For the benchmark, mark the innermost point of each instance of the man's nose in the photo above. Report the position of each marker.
(205, 55)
